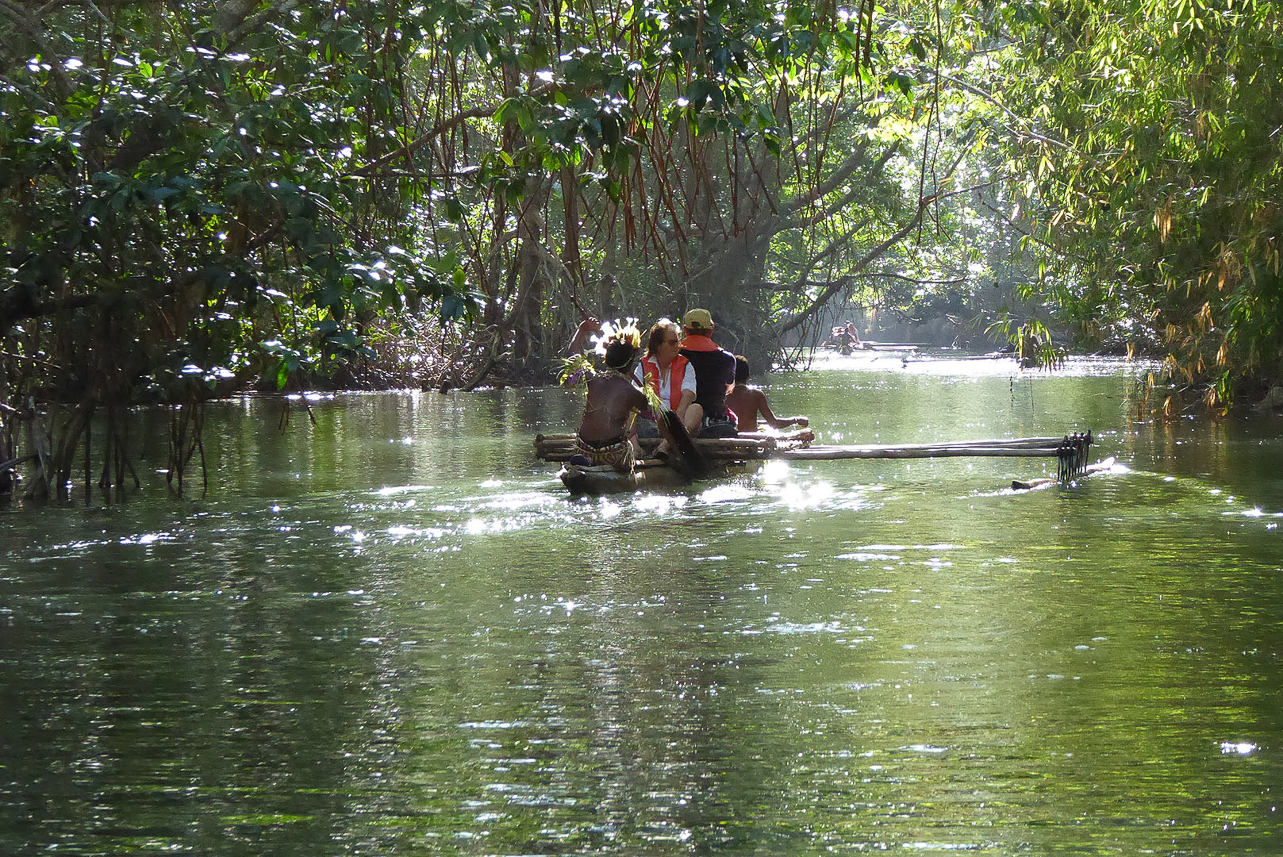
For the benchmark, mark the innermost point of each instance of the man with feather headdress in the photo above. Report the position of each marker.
(608, 432)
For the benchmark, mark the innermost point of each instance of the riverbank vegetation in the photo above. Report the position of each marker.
(1146, 157)
(205, 198)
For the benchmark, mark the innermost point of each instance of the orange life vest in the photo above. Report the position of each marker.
(676, 373)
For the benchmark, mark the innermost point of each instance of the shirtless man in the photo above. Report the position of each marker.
(579, 340)
(608, 433)
(748, 402)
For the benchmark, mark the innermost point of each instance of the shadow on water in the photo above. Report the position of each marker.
(392, 631)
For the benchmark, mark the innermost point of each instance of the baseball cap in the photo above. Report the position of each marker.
(698, 319)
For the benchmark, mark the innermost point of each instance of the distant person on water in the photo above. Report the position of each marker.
(608, 433)
(671, 377)
(748, 403)
(845, 338)
(714, 373)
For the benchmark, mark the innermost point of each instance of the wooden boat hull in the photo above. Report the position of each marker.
(743, 447)
(598, 480)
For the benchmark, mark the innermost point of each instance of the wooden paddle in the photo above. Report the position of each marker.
(683, 456)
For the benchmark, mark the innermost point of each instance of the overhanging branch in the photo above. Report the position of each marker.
(869, 258)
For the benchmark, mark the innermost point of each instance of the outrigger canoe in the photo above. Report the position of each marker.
(721, 454)
(1070, 452)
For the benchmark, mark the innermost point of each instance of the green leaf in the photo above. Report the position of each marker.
(901, 82)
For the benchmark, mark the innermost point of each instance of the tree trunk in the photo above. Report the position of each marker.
(533, 285)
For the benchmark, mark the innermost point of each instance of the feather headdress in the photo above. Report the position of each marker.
(617, 331)
(578, 368)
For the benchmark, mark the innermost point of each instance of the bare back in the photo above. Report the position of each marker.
(612, 404)
(747, 404)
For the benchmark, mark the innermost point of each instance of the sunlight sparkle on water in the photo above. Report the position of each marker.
(804, 628)
(144, 539)
(797, 496)
(1241, 748)
(529, 500)
(944, 846)
(725, 494)
(947, 363)
(773, 472)
(403, 489)
(659, 504)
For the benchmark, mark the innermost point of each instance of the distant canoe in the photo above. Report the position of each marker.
(892, 346)
(868, 345)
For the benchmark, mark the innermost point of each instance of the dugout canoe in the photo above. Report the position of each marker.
(744, 447)
(649, 475)
(652, 473)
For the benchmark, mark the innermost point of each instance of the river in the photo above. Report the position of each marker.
(391, 631)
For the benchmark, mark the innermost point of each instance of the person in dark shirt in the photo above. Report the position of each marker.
(714, 373)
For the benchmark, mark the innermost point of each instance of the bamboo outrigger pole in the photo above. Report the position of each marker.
(1070, 451)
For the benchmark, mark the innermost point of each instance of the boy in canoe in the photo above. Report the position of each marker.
(747, 403)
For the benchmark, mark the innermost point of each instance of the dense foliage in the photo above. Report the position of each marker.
(181, 211)
(1146, 142)
(197, 197)
(202, 197)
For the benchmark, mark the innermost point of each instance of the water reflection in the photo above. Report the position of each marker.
(392, 631)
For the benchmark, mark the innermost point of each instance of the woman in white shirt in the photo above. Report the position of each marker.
(670, 375)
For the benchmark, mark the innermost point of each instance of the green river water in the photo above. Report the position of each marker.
(392, 632)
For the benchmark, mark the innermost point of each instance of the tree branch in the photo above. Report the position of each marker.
(870, 257)
(245, 27)
(431, 134)
(894, 276)
(17, 304)
(1017, 120)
